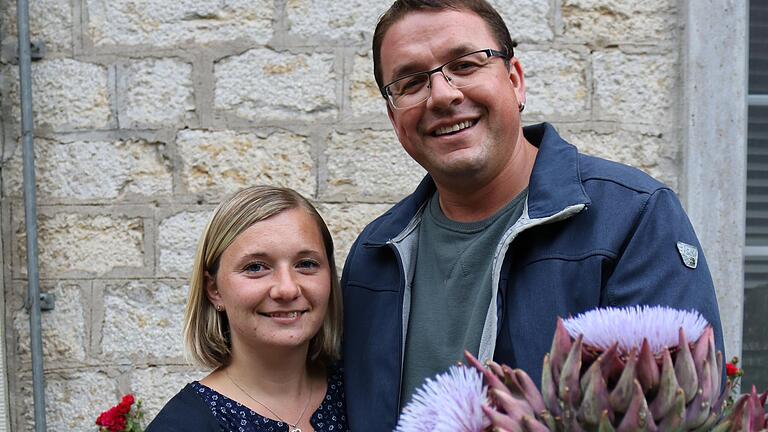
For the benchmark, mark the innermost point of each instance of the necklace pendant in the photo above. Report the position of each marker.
(293, 428)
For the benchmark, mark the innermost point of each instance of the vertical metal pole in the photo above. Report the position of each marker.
(30, 213)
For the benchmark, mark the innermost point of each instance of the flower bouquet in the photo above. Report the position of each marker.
(123, 417)
(631, 369)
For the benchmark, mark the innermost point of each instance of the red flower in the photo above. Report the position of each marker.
(111, 420)
(114, 419)
(128, 399)
(124, 407)
(732, 370)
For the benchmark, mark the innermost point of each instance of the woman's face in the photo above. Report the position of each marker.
(274, 282)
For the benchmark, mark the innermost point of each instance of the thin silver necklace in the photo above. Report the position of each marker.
(291, 427)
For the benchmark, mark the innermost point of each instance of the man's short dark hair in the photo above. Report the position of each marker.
(401, 8)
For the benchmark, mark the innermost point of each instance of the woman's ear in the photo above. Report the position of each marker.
(212, 291)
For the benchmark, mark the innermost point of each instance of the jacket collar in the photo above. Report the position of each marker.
(555, 181)
(555, 184)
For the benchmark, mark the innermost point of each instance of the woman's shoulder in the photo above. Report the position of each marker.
(331, 415)
(184, 412)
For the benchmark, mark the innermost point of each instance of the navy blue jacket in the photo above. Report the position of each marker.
(593, 233)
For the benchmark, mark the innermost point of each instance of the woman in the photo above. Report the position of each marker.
(264, 313)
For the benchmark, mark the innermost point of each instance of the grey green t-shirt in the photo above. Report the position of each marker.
(451, 289)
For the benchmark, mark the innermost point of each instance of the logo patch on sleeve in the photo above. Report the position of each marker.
(689, 254)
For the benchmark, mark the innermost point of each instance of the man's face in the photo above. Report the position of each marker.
(425, 40)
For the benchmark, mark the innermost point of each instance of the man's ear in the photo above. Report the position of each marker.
(211, 290)
(391, 115)
(517, 79)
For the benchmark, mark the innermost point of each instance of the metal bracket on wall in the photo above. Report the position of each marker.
(47, 302)
(11, 51)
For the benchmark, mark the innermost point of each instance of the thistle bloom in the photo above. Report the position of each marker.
(629, 326)
(450, 402)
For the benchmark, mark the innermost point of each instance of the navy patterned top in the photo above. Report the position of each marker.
(331, 416)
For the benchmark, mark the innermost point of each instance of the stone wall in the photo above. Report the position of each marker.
(148, 111)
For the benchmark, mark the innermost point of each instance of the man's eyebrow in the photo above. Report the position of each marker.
(415, 67)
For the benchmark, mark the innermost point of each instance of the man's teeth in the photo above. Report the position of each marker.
(293, 314)
(455, 128)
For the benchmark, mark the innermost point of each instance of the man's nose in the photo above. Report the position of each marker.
(442, 92)
(286, 286)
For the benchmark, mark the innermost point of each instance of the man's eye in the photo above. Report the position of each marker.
(464, 67)
(411, 85)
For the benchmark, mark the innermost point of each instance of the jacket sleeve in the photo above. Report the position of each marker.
(650, 270)
(185, 412)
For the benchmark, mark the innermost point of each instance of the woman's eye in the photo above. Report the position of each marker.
(308, 264)
(254, 267)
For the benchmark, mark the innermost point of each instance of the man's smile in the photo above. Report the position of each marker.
(452, 128)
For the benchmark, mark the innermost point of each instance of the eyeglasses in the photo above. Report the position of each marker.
(464, 71)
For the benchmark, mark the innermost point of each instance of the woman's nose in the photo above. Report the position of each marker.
(286, 286)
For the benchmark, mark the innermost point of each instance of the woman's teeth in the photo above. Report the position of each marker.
(293, 314)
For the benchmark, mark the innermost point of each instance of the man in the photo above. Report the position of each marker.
(511, 228)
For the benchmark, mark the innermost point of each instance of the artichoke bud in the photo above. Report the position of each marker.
(569, 386)
(668, 388)
(699, 409)
(647, 369)
(595, 403)
(685, 369)
(675, 419)
(561, 346)
(549, 388)
(621, 395)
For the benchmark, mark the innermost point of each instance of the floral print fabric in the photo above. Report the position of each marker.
(330, 416)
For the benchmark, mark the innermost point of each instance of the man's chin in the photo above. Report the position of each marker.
(464, 168)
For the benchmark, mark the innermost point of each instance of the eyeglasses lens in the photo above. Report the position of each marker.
(415, 89)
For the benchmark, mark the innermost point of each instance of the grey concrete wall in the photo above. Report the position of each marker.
(714, 77)
(148, 111)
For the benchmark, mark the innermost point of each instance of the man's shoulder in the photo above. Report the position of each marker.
(598, 172)
(396, 218)
(390, 218)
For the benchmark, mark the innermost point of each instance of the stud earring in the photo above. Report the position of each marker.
(521, 106)
(219, 308)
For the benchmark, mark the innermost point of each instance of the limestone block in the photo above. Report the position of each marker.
(177, 240)
(262, 83)
(50, 21)
(527, 20)
(369, 163)
(556, 83)
(88, 170)
(352, 20)
(157, 385)
(158, 92)
(226, 161)
(73, 400)
(634, 88)
(64, 336)
(71, 242)
(346, 221)
(143, 318)
(364, 95)
(612, 21)
(641, 149)
(164, 23)
(67, 94)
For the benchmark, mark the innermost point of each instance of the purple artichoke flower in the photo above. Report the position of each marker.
(450, 402)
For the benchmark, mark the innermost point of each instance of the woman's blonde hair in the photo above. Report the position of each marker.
(206, 331)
